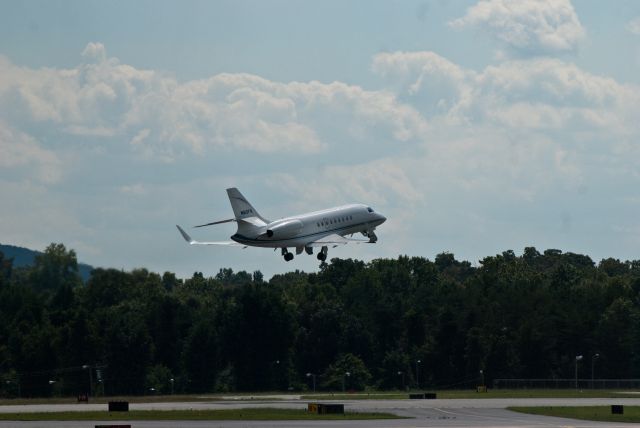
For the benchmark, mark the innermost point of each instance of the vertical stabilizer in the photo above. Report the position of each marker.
(242, 209)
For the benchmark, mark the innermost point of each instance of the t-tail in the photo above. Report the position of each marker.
(245, 214)
(242, 209)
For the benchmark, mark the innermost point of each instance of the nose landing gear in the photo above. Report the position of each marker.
(371, 235)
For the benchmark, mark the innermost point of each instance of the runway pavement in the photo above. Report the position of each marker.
(423, 413)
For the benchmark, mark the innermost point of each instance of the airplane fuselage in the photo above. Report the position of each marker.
(343, 220)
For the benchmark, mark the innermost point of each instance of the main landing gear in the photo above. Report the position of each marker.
(287, 255)
(322, 255)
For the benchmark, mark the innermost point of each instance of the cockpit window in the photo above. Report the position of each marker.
(370, 209)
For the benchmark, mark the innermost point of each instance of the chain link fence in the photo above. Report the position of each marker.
(566, 383)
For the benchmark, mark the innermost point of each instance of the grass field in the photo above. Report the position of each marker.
(377, 395)
(590, 413)
(492, 393)
(188, 415)
(130, 399)
(185, 415)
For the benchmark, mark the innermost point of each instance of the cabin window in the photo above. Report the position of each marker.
(370, 209)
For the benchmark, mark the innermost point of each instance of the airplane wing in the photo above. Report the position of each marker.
(335, 239)
(194, 242)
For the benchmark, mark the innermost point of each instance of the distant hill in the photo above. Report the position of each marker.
(25, 257)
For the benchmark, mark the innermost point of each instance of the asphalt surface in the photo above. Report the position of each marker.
(423, 413)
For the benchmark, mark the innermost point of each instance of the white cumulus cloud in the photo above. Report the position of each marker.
(538, 93)
(95, 51)
(527, 26)
(633, 26)
(165, 118)
(23, 157)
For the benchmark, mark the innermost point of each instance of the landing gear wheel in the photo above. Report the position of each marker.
(322, 255)
(288, 257)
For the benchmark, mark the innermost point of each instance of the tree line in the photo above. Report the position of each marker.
(386, 324)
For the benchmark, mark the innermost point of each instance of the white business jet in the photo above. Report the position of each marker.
(303, 232)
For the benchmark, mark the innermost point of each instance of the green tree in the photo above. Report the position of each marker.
(127, 349)
(6, 266)
(159, 380)
(55, 268)
(617, 338)
(348, 371)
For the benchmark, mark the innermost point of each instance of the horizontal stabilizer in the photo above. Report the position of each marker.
(216, 222)
(191, 241)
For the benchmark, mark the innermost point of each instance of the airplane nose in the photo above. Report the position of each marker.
(382, 218)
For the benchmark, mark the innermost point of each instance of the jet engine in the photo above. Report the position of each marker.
(284, 229)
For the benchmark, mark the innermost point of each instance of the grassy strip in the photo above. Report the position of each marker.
(492, 393)
(589, 413)
(259, 414)
(378, 395)
(105, 400)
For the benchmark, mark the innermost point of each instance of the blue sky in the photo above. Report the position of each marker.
(476, 127)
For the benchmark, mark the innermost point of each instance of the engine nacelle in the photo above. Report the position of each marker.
(284, 229)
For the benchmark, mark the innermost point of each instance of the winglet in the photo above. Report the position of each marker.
(185, 235)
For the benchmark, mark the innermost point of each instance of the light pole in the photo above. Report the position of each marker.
(313, 376)
(171, 380)
(578, 358)
(593, 360)
(418, 374)
(346, 374)
(401, 373)
(17, 383)
(88, 367)
(100, 386)
(482, 377)
(276, 372)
